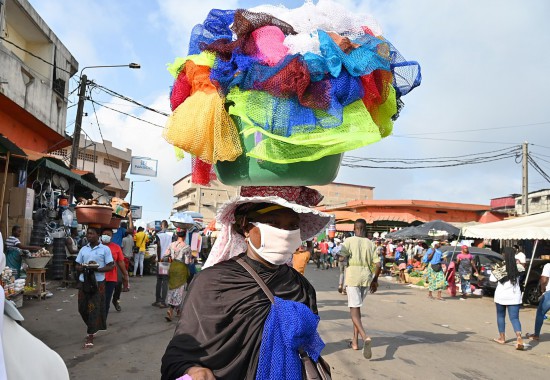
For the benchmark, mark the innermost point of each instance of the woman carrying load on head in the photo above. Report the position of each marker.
(221, 331)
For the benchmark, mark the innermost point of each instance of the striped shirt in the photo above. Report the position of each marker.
(12, 241)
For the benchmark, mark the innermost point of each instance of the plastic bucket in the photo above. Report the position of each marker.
(247, 171)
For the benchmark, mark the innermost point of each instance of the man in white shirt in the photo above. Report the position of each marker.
(544, 302)
(164, 238)
(520, 256)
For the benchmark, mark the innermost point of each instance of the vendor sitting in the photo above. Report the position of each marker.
(13, 251)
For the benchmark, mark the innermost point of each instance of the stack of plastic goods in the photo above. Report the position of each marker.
(275, 96)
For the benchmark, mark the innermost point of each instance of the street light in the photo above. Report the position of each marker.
(80, 108)
(132, 189)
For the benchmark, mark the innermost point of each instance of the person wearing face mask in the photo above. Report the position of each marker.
(226, 326)
(92, 262)
(112, 277)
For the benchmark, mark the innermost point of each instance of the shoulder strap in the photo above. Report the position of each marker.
(260, 282)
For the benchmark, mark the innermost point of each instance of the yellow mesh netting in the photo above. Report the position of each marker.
(382, 115)
(201, 125)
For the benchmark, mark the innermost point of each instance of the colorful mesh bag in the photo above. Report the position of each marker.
(307, 83)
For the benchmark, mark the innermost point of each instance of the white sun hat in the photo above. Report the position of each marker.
(230, 243)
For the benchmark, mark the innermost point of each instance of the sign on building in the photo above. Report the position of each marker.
(143, 166)
(136, 212)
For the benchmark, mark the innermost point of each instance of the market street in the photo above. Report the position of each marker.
(413, 337)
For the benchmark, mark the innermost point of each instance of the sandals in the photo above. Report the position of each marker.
(499, 341)
(350, 345)
(532, 336)
(89, 342)
(168, 315)
(520, 346)
(367, 349)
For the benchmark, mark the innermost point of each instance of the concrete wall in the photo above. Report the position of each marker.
(341, 193)
(119, 185)
(538, 201)
(28, 81)
(202, 199)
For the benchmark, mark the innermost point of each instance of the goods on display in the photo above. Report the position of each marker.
(269, 94)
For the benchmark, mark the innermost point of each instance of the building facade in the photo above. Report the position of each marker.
(109, 164)
(385, 215)
(537, 201)
(202, 199)
(338, 194)
(35, 69)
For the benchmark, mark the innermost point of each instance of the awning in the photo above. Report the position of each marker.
(7, 146)
(523, 227)
(50, 164)
(344, 227)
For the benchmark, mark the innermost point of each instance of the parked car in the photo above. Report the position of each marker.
(484, 259)
(532, 292)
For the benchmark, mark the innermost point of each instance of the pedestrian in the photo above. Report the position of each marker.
(112, 277)
(179, 254)
(13, 251)
(164, 238)
(93, 260)
(227, 325)
(323, 247)
(128, 248)
(381, 252)
(508, 296)
(466, 264)
(401, 262)
(544, 302)
(361, 276)
(300, 259)
(141, 239)
(520, 256)
(450, 277)
(436, 277)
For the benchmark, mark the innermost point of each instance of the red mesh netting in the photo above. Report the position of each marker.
(375, 86)
(180, 91)
(201, 172)
(293, 79)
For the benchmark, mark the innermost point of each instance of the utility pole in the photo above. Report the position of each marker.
(78, 121)
(525, 181)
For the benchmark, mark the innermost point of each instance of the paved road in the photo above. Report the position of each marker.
(413, 337)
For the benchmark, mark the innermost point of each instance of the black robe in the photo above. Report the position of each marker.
(223, 316)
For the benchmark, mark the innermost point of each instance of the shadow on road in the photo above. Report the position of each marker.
(408, 338)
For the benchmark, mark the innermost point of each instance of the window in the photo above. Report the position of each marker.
(61, 152)
(535, 200)
(111, 163)
(441, 212)
(87, 157)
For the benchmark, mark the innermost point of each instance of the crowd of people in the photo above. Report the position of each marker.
(105, 259)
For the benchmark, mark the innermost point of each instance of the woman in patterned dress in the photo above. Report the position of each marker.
(180, 254)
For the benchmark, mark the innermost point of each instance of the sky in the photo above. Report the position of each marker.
(484, 89)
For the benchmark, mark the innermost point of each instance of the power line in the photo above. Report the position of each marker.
(430, 159)
(123, 97)
(478, 129)
(127, 114)
(423, 167)
(538, 168)
(104, 147)
(34, 55)
(453, 140)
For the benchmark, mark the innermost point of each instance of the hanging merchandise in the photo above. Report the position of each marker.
(275, 96)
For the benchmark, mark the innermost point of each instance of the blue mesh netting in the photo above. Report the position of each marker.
(406, 74)
(216, 26)
(360, 61)
(289, 326)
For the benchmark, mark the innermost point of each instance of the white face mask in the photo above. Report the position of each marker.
(276, 245)
(105, 239)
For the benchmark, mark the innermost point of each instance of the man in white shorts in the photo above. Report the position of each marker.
(361, 276)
